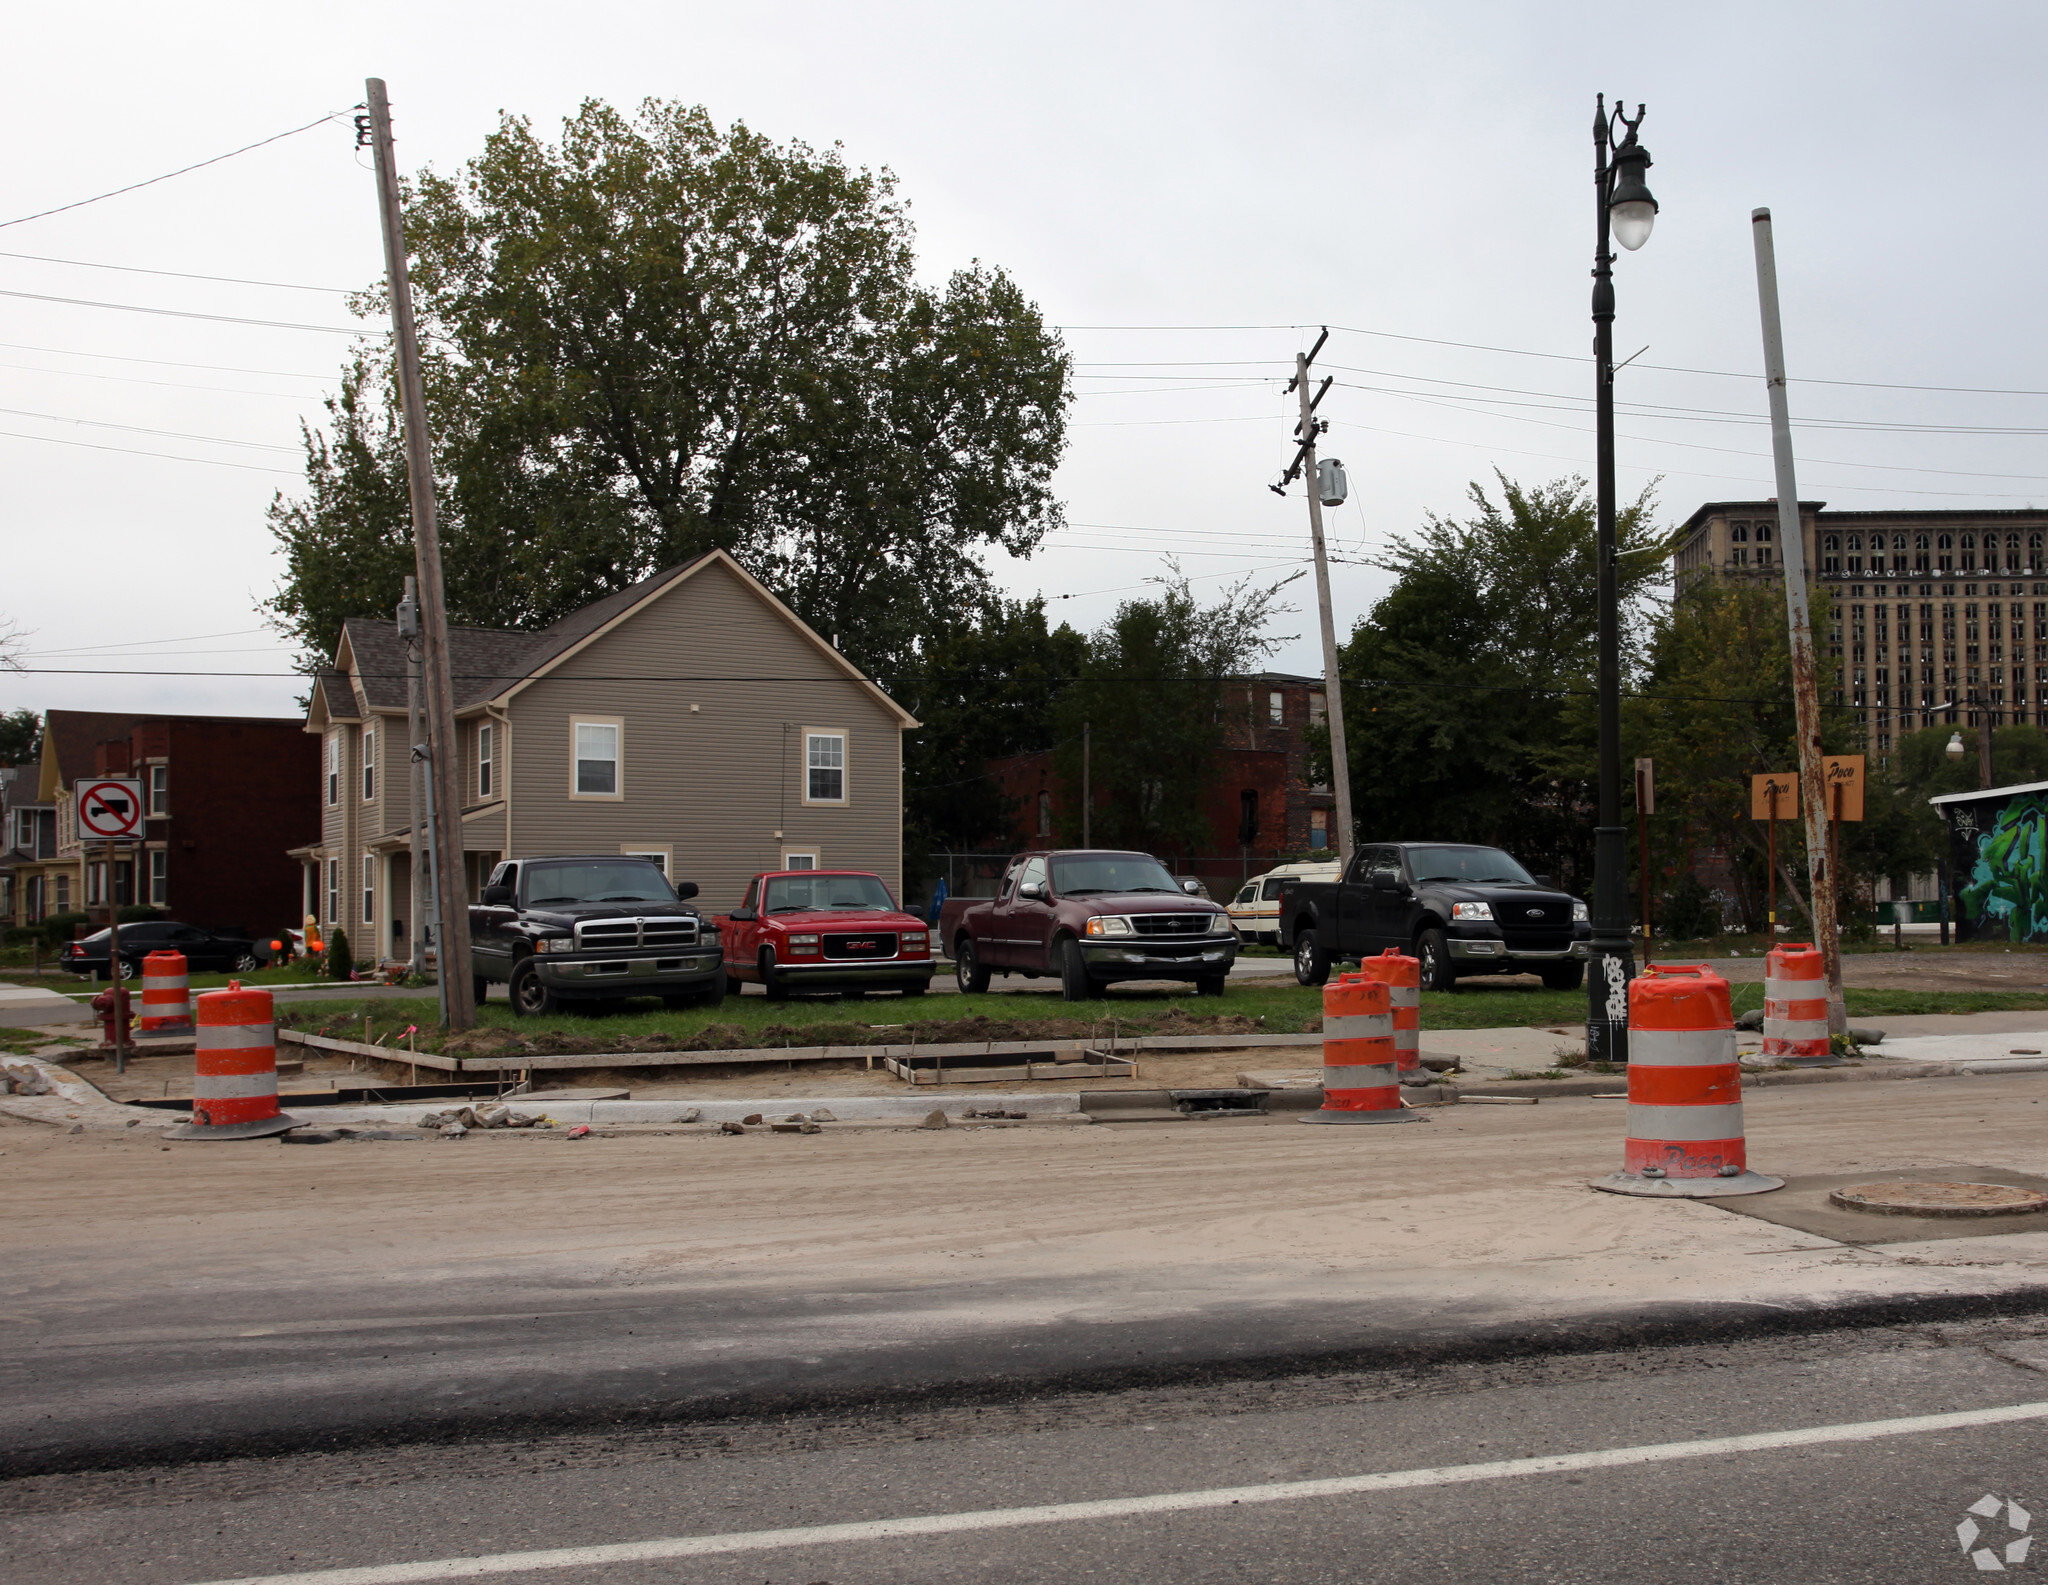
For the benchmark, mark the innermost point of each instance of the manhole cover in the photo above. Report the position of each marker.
(1939, 1199)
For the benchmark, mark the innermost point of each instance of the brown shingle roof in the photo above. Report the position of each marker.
(76, 733)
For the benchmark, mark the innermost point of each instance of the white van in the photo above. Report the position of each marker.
(1255, 910)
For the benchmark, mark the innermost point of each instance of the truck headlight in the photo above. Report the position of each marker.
(1471, 910)
(555, 944)
(1108, 925)
(803, 943)
(916, 938)
(1580, 914)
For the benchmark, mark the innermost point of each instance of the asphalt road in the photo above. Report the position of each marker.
(1201, 1482)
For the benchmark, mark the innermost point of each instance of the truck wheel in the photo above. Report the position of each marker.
(771, 982)
(1564, 977)
(968, 973)
(1075, 985)
(1433, 952)
(1211, 984)
(1311, 962)
(529, 997)
(480, 986)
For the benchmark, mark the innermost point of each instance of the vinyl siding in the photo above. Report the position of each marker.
(715, 785)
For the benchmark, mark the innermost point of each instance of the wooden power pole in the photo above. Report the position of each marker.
(444, 764)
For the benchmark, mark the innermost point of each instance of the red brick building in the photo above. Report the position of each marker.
(1262, 808)
(225, 797)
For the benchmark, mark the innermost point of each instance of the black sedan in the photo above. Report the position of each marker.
(204, 950)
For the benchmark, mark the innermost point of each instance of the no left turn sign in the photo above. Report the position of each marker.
(110, 809)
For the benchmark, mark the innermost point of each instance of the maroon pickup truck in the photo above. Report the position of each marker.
(1091, 918)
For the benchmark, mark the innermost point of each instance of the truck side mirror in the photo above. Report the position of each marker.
(1545, 880)
(686, 890)
(497, 897)
(1192, 887)
(1383, 881)
(1032, 890)
(741, 914)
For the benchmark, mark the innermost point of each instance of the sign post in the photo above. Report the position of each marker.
(1842, 774)
(1773, 796)
(110, 808)
(1646, 805)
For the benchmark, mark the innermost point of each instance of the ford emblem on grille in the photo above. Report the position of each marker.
(1535, 913)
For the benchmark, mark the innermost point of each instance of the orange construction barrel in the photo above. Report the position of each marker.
(166, 995)
(1361, 1081)
(1796, 1007)
(234, 1087)
(1685, 1134)
(1402, 976)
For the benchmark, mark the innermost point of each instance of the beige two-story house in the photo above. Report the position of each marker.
(692, 718)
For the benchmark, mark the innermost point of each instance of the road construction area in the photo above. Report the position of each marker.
(908, 1353)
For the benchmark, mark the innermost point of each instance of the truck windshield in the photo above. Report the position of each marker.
(1082, 874)
(626, 881)
(832, 894)
(1478, 866)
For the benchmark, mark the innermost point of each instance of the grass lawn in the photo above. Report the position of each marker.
(754, 1021)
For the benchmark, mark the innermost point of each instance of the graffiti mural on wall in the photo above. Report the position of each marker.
(2000, 852)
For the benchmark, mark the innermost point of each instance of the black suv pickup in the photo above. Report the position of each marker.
(589, 929)
(1458, 909)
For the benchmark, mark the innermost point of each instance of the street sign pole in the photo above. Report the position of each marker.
(114, 966)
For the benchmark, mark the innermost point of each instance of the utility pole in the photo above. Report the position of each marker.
(1813, 795)
(1087, 796)
(444, 765)
(1304, 463)
(422, 887)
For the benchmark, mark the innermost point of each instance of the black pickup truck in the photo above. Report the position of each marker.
(1458, 909)
(590, 929)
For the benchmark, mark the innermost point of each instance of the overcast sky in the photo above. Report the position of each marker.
(1212, 180)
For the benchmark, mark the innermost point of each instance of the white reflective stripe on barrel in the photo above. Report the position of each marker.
(1404, 995)
(1796, 1029)
(1778, 990)
(1681, 1048)
(236, 1037)
(233, 1086)
(1684, 1122)
(1358, 1026)
(1375, 1077)
(165, 982)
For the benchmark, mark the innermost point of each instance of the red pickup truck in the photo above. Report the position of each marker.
(1091, 918)
(837, 930)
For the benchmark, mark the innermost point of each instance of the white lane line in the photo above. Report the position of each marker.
(1125, 1507)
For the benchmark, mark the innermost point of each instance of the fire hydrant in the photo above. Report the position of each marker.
(105, 1004)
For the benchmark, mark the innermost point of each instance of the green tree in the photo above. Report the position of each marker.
(655, 338)
(1150, 692)
(983, 687)
(1467, 702)
(21, 737)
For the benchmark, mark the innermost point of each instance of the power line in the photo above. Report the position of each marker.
(137, 429)
(185, 170)
(168, 363)
(179, 275)
(167, 456)
(186, 313)
(165, 385)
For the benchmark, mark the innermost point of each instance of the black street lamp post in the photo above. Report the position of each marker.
(1626, 213)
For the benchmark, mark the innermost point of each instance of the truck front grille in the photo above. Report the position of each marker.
(1171, 924)
(867, 944)
(598, 934)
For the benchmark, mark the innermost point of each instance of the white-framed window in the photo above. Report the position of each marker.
(63, 894)
(1318, 707)
(369, 764)
(1276, 707)
(595, 769)
(95, 883)
(159, 789)
(159, 877)
(369, 889)
(662, 858)
(1319, 828)
(484, 765)
(824, 765)
(333, 769)
(799, 858)
(334, 891)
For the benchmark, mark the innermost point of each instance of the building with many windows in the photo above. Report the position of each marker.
(1936, 618)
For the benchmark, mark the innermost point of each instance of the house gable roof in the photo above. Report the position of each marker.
(490, 665)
